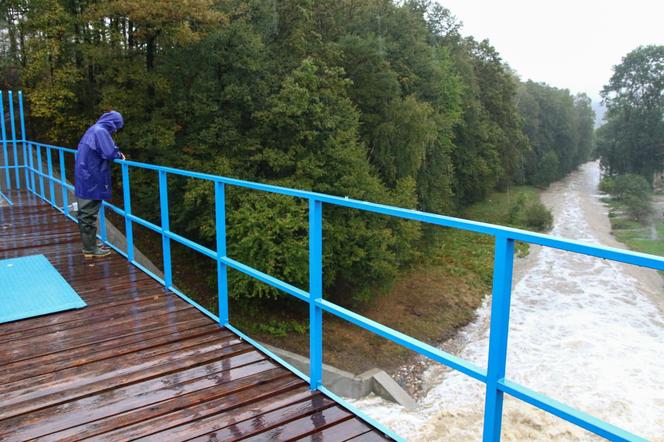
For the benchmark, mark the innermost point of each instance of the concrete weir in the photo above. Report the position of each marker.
(350, 385)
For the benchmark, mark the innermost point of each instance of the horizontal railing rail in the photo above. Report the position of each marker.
(38, 180)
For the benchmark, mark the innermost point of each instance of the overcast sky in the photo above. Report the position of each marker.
(569, 44)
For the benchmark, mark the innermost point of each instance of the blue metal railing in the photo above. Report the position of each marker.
(493, 376)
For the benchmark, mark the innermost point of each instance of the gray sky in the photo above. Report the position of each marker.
(569, 44)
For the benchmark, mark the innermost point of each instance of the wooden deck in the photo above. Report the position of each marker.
(139, 363)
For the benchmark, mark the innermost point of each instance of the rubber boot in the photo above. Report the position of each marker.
(90, 249)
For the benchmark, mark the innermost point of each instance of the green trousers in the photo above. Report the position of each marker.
(88, 210)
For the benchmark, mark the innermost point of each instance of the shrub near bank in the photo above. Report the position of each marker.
(633, 222)
(632, 192)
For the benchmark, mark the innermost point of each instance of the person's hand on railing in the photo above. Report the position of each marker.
(122, 156)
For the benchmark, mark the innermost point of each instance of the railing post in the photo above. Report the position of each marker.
(315, 293)
(13, 127)
(500, 314)
(49, 166)
(32, 169)
(165, 228)
(22, 120)
(129, 233)
(8, 181)
(102, 223)
(28, 172)
(222, 270)
(41, 171)
(63, 185)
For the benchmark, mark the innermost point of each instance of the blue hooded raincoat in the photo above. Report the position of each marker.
(96, 150)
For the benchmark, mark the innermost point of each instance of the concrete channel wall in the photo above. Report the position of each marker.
(352, 386)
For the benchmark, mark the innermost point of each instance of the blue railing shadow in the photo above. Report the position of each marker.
(493, 377)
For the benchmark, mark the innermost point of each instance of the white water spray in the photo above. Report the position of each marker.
(584, 331)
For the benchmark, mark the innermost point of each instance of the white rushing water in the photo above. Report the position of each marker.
(584, 331)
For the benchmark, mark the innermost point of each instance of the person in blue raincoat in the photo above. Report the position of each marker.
(96, 152)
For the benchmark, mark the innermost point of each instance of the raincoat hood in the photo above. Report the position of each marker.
(111, 121)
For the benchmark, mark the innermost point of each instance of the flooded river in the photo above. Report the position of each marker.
(587, 332)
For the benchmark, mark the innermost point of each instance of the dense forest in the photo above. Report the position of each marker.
(372, 99)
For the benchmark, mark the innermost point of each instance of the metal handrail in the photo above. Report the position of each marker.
(493, 376)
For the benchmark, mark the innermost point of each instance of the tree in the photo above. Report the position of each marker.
(634, 98)
(559, 128)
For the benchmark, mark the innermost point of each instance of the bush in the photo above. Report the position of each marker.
(534, 216)
(637, 207)
(515, 215)
(633, 191)
(606, 185)
(538, 217)
(631, 185)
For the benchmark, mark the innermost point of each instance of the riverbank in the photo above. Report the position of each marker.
(646, 236)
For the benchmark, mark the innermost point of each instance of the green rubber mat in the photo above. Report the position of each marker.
(31, 286)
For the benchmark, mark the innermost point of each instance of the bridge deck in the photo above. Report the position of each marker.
(139, 362)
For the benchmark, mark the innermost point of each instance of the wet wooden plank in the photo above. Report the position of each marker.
(101, 317)
(175, 426)
(261, 425)
(242, 419)
(41, 391)
(143, 394)
(148, 417)
(304, 425)
(100, 309)
(344, 430)
(138, 362)
(55, 362)
(38, 345)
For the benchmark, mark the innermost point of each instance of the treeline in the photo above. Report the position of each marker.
(372, 99)
(559, 128)
(632, 139)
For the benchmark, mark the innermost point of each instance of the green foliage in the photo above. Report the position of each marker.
(646, 237)
(538, 217)
(631, 141)
(559, 127)
(376, 100)
(531, 215)
(633, 191)
(548, 170)
(267, 232)
(606, 185)
(515, 214)
(631, 185)
(637, 207)
(280, 329)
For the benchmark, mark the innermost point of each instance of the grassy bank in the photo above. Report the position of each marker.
(647, 236)
(430, 301)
